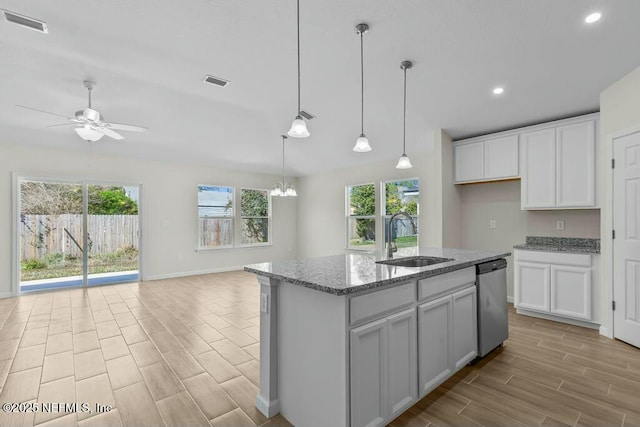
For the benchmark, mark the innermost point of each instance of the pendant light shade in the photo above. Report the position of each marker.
(404, 162)
(298, 127)
(282, 189)
(362, 143)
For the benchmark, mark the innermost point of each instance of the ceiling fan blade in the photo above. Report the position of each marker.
(42, 111)
(63, 124)
(130, 128)
(109, 132)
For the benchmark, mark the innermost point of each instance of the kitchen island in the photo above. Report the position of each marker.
(347, 341)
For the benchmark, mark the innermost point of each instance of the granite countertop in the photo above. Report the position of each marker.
(355, 272)
(561, 244)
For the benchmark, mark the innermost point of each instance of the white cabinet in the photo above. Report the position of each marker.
(465, 331)
(486, 159)
(447, 337)
(469, 163)
(538, 169)
(559, 284)
(559, 166)
(383, 369)
(369, 374)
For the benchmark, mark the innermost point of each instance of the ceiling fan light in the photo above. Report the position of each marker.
(362, 144)
(88, 134)
(298, 128)
(91, 115)
(404, 162)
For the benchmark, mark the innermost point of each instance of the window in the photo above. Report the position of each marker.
(255, 212)
(361, 220)
(402, 196)
(215, 216)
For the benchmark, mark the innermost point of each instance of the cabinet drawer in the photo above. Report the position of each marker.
(434, 286)
(582, 260)
(368, 306)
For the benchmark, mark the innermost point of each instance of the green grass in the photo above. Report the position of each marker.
(55, 265)
(406, 241)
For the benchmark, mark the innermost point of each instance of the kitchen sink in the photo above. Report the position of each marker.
(414, 261)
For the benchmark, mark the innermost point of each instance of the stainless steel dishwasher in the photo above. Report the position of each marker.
(493, 327)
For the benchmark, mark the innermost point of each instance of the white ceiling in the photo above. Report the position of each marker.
(148, 58)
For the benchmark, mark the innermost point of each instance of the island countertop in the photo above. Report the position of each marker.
(358, 271)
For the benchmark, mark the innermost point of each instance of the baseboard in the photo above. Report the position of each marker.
(190, 273)
(510, 299)
(6, 294)
(605, 331)
(560, 319)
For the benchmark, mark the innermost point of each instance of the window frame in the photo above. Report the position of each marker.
(232, 217)
(383, 208)
(348, 217)
(269, 219)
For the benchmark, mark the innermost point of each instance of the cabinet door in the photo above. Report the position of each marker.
(539, 169)
(403, 365)
(469, 161)
(532, 286)
(368, 375)
(465, 333)
(571, 291)
(576, 165)
(501, 157)
(434, 343)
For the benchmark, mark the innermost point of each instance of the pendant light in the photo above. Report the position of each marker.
(362, 143)
(282, 189)
(404, 162)
(298, 127)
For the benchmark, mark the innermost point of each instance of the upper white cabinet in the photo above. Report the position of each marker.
(559, 166)
(486, 159)
(557, 162)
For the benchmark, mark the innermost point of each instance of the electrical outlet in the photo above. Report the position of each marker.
(492, 223)
(559, 225)
(264, 298)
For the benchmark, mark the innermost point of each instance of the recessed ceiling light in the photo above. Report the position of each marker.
(498, 90)
(593, 18)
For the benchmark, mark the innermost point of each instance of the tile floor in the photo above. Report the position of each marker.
(173, 352)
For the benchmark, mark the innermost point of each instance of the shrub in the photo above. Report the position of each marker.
(33, 264)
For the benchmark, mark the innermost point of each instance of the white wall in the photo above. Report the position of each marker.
(619, 111)
(321, 204)
(500, 201)
(169, 200)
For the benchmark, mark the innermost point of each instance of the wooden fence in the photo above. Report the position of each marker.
(44, 234)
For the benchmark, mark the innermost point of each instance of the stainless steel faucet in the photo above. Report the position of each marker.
(391, 245)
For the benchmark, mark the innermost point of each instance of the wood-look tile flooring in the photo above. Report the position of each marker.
(184, 352)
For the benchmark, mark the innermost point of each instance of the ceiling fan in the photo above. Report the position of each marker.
(89, 124)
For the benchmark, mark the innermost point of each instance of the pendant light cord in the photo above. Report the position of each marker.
(404, 118)
(298, 3)
(89, 89)
(283, 184)
(361, 83)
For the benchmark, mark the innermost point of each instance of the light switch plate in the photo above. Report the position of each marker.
(559, 225)
(492, 223)
(264, 298)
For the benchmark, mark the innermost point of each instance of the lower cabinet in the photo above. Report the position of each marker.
(447, 337)
(558, 284)
(383, 369)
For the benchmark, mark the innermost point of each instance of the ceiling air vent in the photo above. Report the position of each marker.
(25, 21)
(216, 81)
(306, 115)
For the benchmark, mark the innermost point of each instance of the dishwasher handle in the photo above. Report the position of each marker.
(488, 267)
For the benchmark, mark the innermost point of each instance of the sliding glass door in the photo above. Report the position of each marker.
(76, 234)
